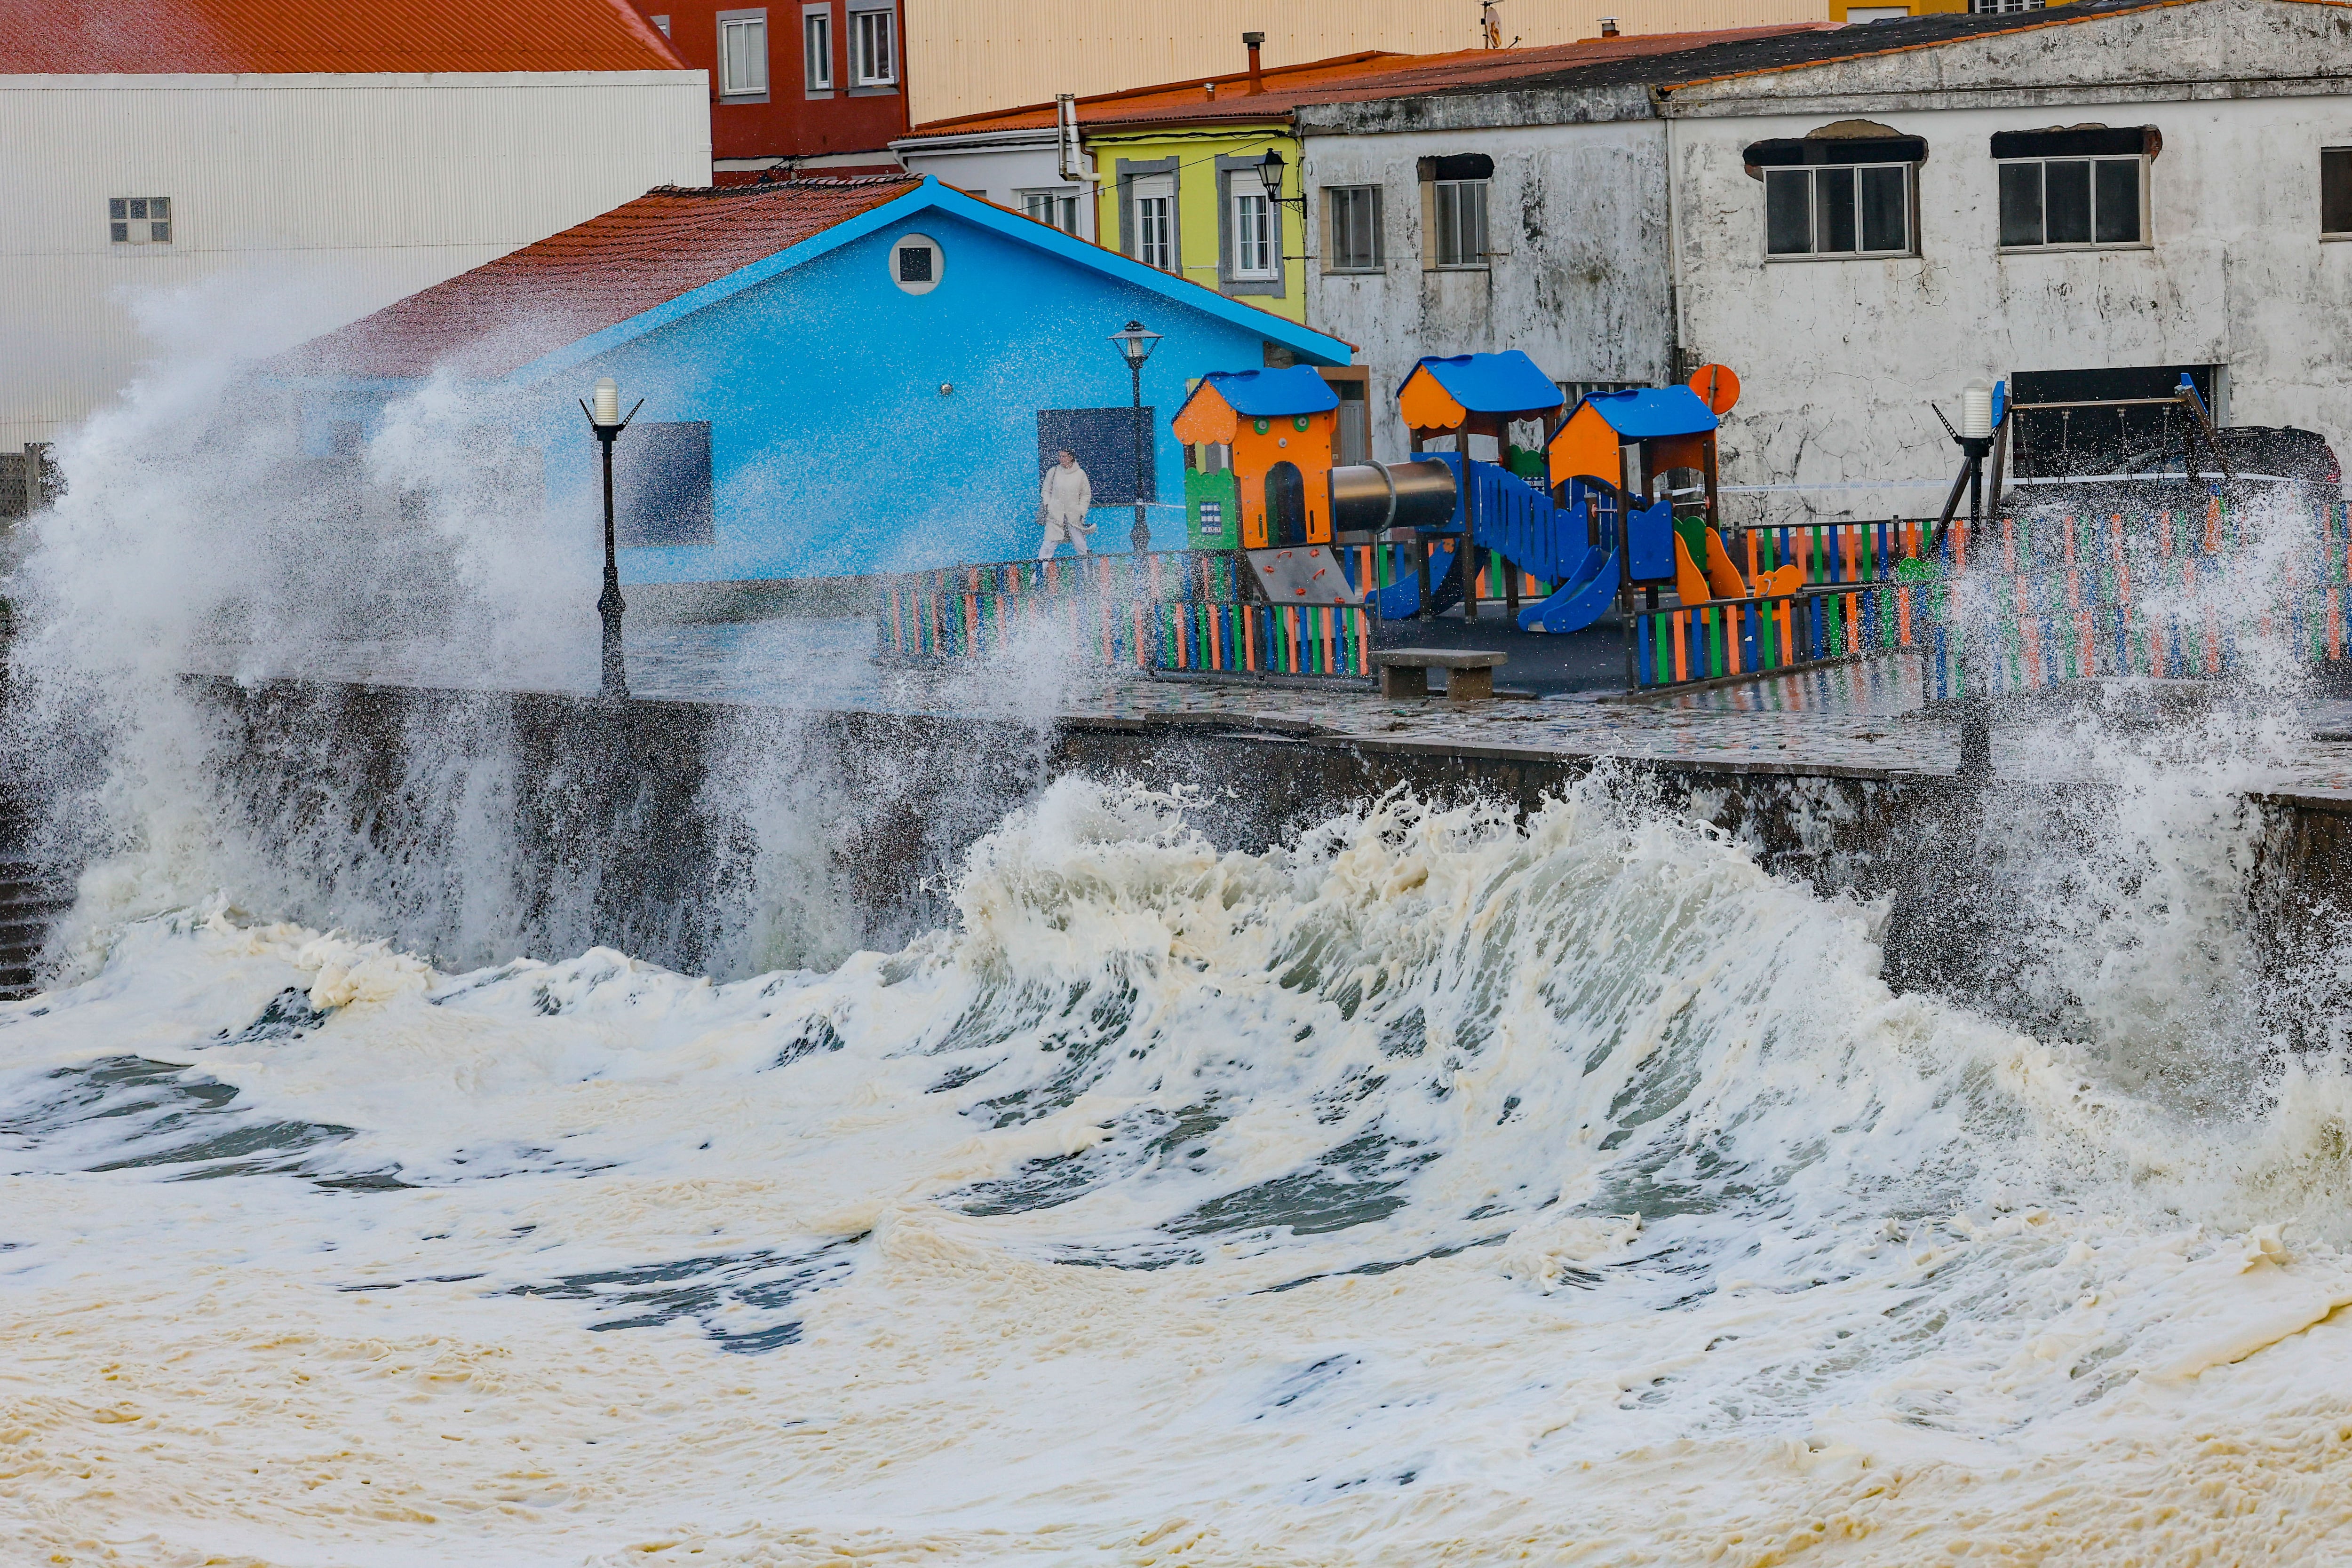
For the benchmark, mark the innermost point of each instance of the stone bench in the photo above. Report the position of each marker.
(1470, 675)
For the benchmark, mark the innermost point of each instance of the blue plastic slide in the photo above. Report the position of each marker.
(1583, 599)
(1401, 599)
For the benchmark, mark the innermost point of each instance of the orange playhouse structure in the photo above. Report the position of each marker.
(1282, 428)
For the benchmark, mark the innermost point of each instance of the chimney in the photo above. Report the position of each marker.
(1210, 88)
(1609, 27)
(1255, 41)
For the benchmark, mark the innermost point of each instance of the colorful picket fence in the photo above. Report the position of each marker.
(1181, 611)
(1851, 552)
(2173, 594)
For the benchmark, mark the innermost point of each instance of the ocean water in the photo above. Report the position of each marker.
(1436, 1186)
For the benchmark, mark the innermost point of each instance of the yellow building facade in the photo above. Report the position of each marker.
(1190, 201)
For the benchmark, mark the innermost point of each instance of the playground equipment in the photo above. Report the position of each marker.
(1462, 396)
(1648, 456)
(1280, 426)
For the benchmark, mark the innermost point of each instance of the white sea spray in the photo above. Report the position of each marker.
(1437, 1183)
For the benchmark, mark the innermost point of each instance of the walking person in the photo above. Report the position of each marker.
(1062, 504)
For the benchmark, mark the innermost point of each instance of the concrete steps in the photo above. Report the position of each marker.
(31, 901)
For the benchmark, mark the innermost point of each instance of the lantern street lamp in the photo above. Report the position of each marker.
(607, 420)
(1135, 345)
(1270, 171)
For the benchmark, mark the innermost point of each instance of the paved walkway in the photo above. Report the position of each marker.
(1864, 719)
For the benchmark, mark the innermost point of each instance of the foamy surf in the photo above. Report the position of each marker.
(1438, 1187)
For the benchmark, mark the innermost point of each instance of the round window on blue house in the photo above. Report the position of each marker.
(917, 263)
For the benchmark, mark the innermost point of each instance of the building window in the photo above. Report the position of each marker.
(2336, 190)
(2000, 7)
(1850, 211)
(1154, 221)
(917, 264)
(1353, 240)
(1117, 446)
(661, 22)
(742, 54)
(816, 47)
(2058, 190)
(661, 485)
(1454, 210)
(1255, 252)
(1847, 191)
(1461, 223)
(1056, 209)
(139, 220)
(876, 48)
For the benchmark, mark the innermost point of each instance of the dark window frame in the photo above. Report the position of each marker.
(1104, 441)
(663, 468)
(2342, 156)
(1813, 174)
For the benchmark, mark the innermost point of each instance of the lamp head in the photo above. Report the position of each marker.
(1135, 343)
(1975, 411)
(608, 403)
(1269, 173)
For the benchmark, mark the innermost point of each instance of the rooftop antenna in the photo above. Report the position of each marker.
(1490, 30)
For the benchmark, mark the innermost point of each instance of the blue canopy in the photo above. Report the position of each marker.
(1645, 412)
(1271, 394)
(1508, 382)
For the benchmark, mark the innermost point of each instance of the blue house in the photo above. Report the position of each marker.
(840, 377)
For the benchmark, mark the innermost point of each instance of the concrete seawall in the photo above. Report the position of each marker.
(473, 824)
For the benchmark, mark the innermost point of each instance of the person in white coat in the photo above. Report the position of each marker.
(1063, 502)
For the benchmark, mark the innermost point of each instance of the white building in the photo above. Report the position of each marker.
(337, 158)
(2089, 201)
(1022, 169)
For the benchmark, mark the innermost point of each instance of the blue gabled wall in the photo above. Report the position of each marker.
(834, 451)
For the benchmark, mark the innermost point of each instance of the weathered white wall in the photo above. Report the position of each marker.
(1577, 213)
(329, 195)
(1840, 358)
(1000, 168)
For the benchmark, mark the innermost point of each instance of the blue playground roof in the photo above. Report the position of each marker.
(1264, 395)
(1646, 411)
(1508, 382)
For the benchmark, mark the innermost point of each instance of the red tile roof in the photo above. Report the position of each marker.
(1348, 79)
(508, 312)
(147, 37)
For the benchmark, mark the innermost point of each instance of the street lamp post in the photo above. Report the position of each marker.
(1135, 345)
(606, 419)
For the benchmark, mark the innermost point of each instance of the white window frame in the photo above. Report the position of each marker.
(1257, 234)
(1151, 206)
(817, 50)
(1051, 205)
(2002, 7)
(1814, 211)
(743, 55)
(145, 220)
(2145, 238)
(863, 27)
(1466, 259)
(1333, 196)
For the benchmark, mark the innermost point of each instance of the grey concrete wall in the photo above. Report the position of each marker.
(478, 826)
